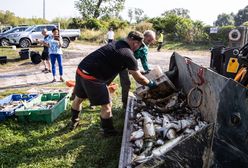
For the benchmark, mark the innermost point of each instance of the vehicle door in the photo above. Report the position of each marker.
(36, 33)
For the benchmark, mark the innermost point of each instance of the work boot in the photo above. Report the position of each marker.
(74, 119)
(107, 127)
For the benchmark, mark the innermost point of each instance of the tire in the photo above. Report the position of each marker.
(234, 35)
(25, 43)
(66, 42)
(4, 42)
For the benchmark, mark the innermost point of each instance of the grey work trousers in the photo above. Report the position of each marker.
(125, 86)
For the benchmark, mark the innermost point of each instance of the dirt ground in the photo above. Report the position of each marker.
(26, 74)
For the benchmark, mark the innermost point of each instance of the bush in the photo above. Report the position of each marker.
(94, 24)
(221, 36)
(118, 24)
(142, 26)
(91, 35)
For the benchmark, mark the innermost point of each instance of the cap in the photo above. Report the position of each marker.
(136, 35)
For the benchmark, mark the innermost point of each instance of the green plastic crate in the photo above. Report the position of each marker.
(45, 115)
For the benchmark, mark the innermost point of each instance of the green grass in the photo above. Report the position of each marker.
(51, 145)
(14, 54)
(184, 46)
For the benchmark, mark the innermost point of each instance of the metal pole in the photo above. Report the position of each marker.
(44, 10)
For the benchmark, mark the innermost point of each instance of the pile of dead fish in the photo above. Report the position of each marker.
(10, 105)
(44, 105)
(158, 125)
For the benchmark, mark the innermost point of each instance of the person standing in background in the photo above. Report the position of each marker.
(160, 40)
(55, 53)
(110, 35)
(45, 53)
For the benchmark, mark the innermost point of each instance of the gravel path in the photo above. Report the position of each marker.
(27, 74)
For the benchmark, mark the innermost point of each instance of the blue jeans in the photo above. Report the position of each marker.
(53, 61)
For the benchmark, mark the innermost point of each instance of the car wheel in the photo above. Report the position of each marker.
(24, 43)
(4, 42)
(66, 43)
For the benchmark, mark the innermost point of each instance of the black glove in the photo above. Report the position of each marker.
(152, 84)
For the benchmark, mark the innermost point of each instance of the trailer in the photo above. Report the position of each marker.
(221, 101)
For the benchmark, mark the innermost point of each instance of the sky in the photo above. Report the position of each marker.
(203, 10)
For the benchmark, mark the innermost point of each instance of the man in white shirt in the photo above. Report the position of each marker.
(110, 35)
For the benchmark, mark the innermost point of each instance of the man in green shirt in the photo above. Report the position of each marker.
(141, 53)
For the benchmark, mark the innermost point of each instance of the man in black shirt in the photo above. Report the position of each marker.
(45, 54)
(95, 71)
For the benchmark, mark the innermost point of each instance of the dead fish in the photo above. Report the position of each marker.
(166, 147)
(148, 127)
(136, 135)
(146, 154)
(166, 120)
(189, 131)
(180, 124)
(141, 159)
(158, 120)
(159, 142)
(139, 143)
(168, 133)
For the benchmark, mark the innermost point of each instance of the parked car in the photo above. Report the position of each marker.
(3, 36)
(28, 37)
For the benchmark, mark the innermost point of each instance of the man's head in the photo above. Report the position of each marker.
(149, 37)
(44, 32)
(135, 40)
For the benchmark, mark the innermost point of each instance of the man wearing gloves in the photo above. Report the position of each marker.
(141, 53)
(95, 71)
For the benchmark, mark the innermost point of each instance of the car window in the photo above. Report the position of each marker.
(11, 30)
(23, 28)
(29, 28)
(50, 28)
(40, 28)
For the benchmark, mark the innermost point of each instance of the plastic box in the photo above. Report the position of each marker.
(43, 115)
(14, 97)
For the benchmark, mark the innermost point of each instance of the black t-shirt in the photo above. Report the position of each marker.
(45, 49)
(107, 61)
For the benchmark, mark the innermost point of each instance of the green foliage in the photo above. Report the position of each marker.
(184, 29)
(99, 8)
(245, 24)
(8, 18)
(91, 35)
(75, 23)
(222, 34)
(224, 19)
(198, 33)
(93, 23)
(241, 16)
(178, 11)
(142, 26)
(117, 24)
(64, 22)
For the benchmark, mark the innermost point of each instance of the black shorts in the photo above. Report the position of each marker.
(45, 56)
(97, 92)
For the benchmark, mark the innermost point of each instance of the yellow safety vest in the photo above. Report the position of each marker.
(161, 38)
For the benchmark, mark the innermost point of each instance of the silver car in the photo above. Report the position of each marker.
(28, 37)
(3, 36)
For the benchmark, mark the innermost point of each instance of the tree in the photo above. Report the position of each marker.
(138, 14)
(177, 11)
(241, 16)
(130, 15)
(224, 19)
(99, 8)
